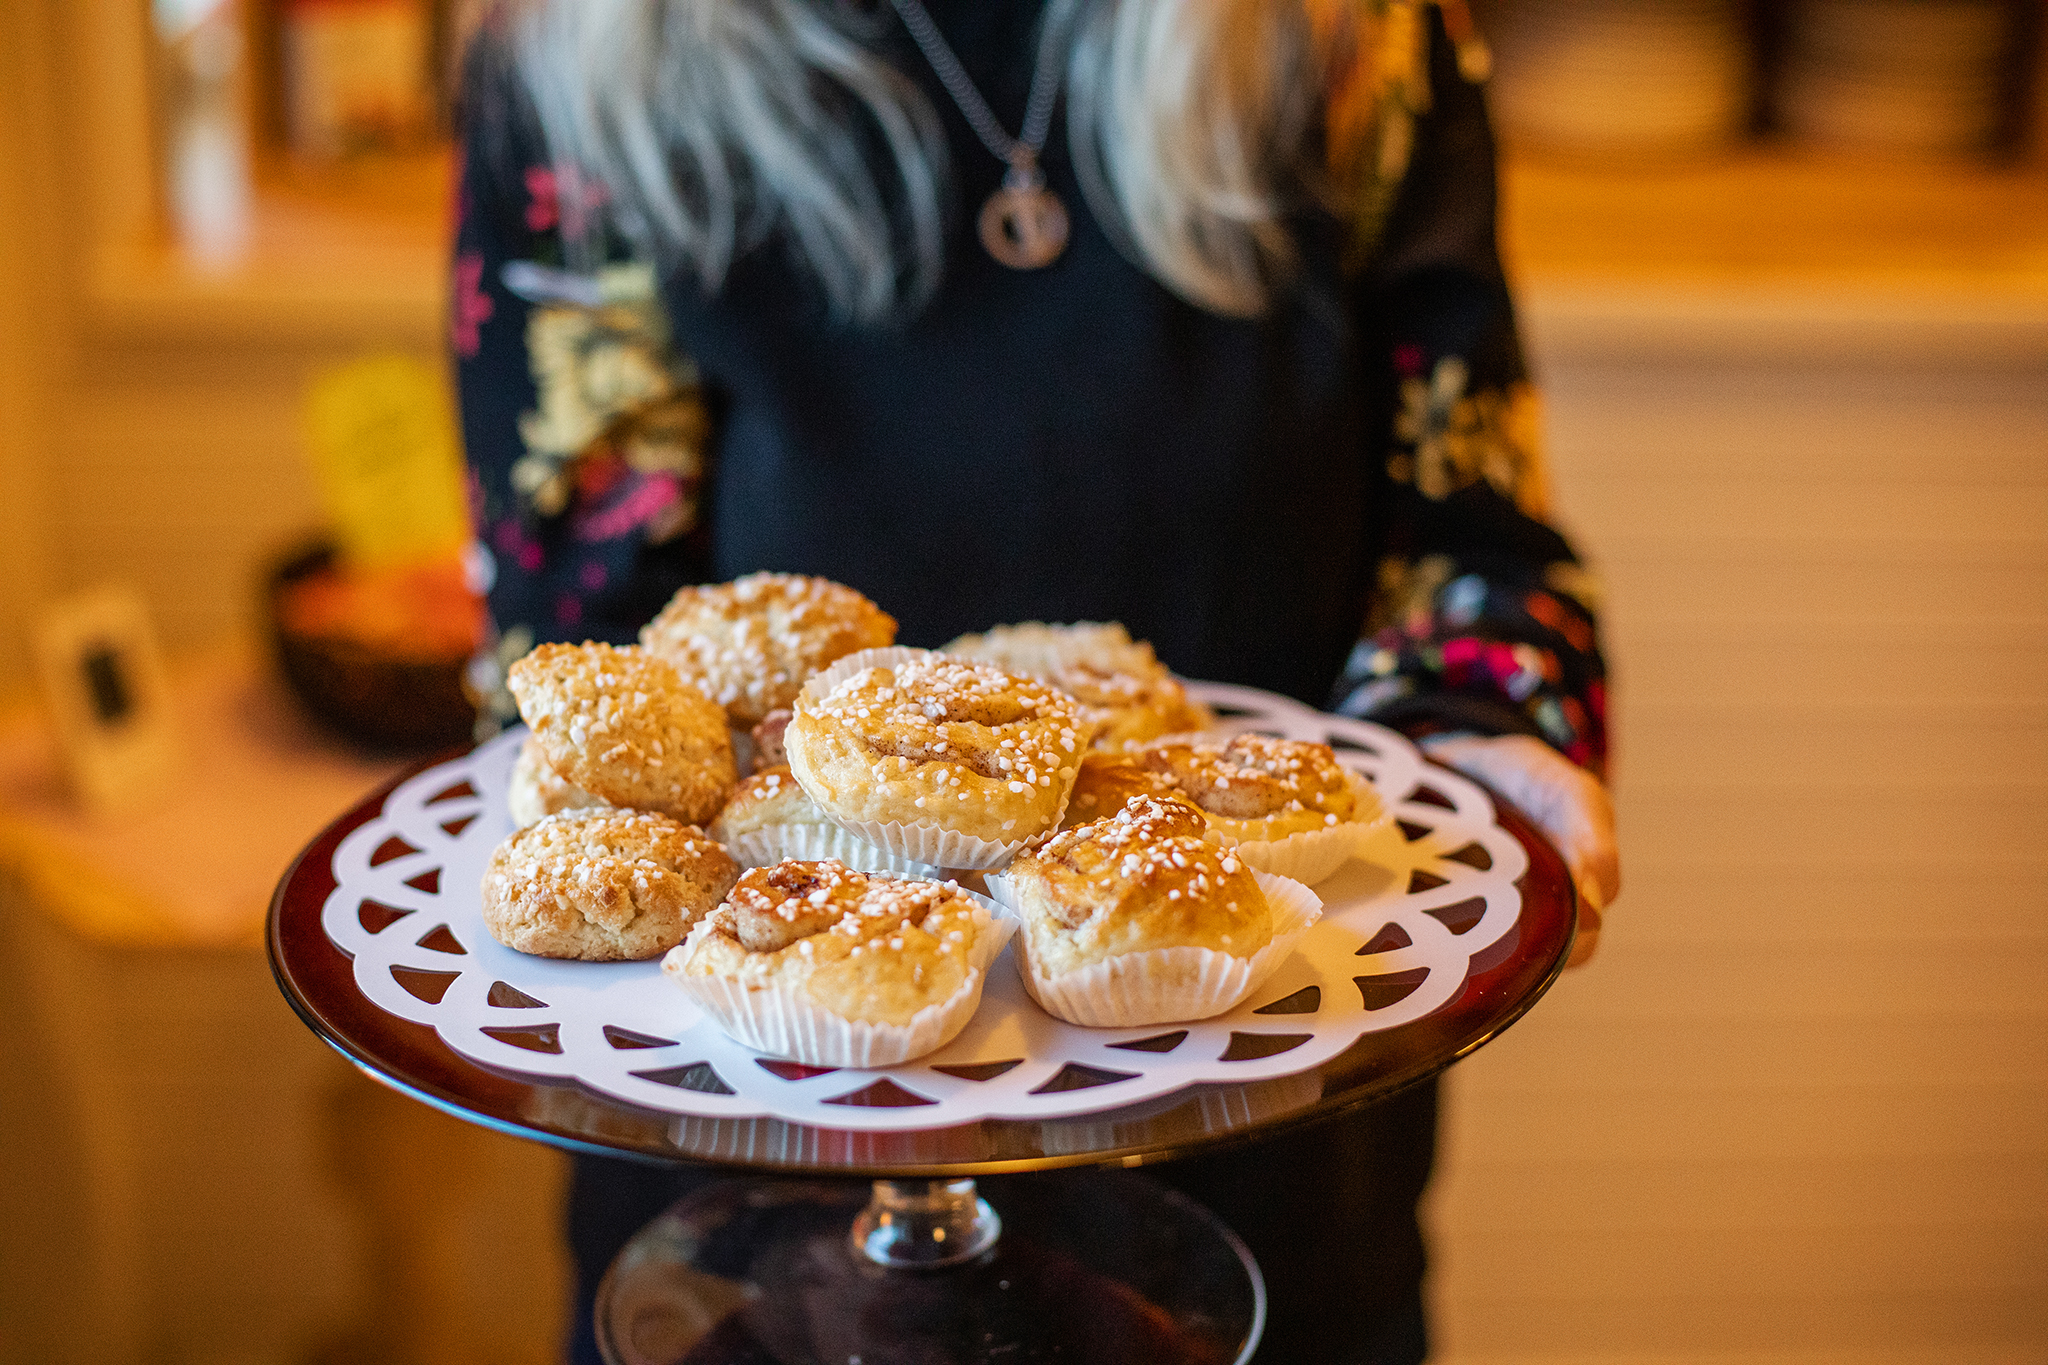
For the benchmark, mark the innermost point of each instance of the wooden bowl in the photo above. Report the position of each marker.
(412, 705)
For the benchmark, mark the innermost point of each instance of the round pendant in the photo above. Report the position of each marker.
(1024, 226)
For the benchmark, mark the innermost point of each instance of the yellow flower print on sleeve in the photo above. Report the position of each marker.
(1376, 85)
(607, 383)
(1453, 439)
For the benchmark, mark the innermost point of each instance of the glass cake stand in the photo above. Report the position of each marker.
(877, 1247)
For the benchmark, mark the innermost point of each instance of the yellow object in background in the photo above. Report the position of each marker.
(381, 433)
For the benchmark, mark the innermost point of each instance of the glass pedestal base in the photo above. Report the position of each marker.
(1091, 1268)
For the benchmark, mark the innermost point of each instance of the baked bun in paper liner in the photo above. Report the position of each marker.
(939, 760)
(897, 973)
(1288, 805)
(1165, 985)
(1141, 917)
(770, 820)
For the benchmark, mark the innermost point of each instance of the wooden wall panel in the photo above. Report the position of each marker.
(182, 483)
(28, 224)
(1797, 1110)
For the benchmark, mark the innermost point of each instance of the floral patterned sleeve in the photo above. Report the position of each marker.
(584, 431)
(1483, 617)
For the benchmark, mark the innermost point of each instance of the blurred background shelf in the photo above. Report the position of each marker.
(1769, 217)
(332, 258)
(1771, 252)
(353, 254)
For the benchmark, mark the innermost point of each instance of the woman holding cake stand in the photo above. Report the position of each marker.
(1187, 315)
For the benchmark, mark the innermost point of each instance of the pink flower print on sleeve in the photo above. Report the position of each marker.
(635, 504)
(543, 200)
(517, 546)
(564, 199)
(470, 307)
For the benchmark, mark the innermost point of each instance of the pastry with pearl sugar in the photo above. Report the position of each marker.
(623, 726)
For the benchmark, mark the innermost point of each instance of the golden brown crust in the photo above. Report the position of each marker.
(537, 791)
(1119, 681)
(767, 799)
(1106, 781)
(1254, 787)
(750, 644)
(1142, 879)
(603, 885)
(620, 724)
(870, 949)
(938, 740)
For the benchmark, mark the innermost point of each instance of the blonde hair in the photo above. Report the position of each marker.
(714, 124)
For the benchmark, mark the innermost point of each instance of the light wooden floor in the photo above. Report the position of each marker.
(1798, 1108)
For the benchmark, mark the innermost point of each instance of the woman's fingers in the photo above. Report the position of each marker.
(1565, 801)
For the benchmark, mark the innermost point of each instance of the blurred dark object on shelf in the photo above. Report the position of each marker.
(309, 55)
(1937, 79)
(357, 76)
(1622, 79)
(378, 659)
(1672, 80)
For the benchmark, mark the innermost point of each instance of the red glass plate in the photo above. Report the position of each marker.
(1503, 982)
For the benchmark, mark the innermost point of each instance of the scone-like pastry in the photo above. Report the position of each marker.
(1288, 806)
(818, 962)
(603, 885)
(1107, 780)
(947, 761)
(750, 644)
(770, 818)
(537, 790)
(1137, 918)
(1120, 681)
(622, 725)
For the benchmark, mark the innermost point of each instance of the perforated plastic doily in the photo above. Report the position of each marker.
(1395, 943)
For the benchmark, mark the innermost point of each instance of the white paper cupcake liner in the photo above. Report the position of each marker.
(922, 841)
(1165, 985)
(1315, 854)
(810, 843)
(783, 1022)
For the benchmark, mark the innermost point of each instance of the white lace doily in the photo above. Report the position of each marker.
(1395, 943)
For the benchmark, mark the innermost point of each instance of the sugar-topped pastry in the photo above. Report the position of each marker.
(1255, 787)
(536, 790)
(1109, 778)
(769, 799)
(622, 725)
(869, 949)
(1286, 805)
(815, 961)
(1119, 681)
(603, 885)
(750, 644)
(1142, 879)
(771, 818)
(923, 739)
